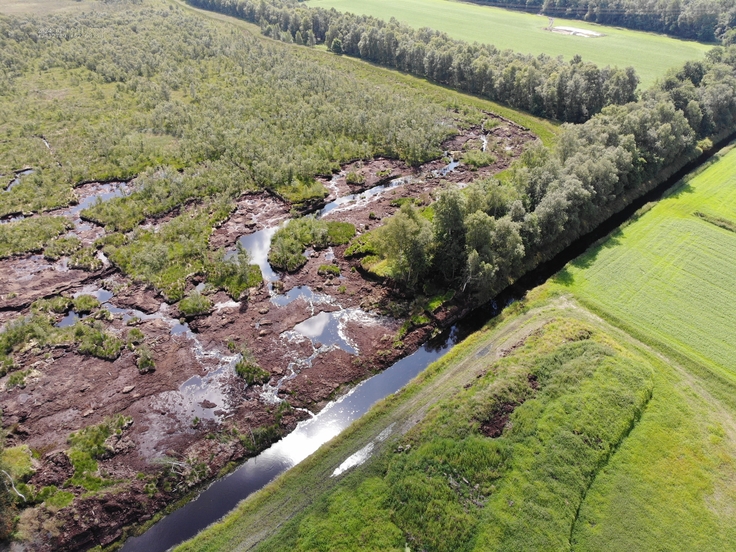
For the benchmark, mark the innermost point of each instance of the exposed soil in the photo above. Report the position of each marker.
(334, 332)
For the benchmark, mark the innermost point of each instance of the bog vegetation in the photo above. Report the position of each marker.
(210, 113)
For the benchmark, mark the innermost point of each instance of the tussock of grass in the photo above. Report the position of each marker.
(87, 445)
(30, 235)
(288, 243)
(85, 304)
(477, 159)
(61, 247)
(95, 341)
(195, 304)
(86, 259)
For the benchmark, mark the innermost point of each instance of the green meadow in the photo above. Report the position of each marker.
(650, 54)
(669, 276)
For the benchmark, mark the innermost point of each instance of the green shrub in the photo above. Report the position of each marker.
(93, 340)
(365, 244)
(60, 499)
(17, 462)
(57, 305)
(288, 243)
(114, 239)
(355, 178)
(195, 304)
(438, 300)
(135, 336)
(477, 159)
(17, 379)
(328, 269)
(31, 234)
(61, 247)
(86, 259)
(248, 369)
(303, 190)
(85, 304)
(339, 233)
(234, 275)
(401, 201)
(35, 328)
(144, 361)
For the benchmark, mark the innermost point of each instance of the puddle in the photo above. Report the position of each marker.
(302, 292)
(451, 166)
(363, 454)
(258, 244)
(360, 199)
(327, 328)
(325, 332)
(102, 295)
(69, 320)
(17, 179)
(106, 193)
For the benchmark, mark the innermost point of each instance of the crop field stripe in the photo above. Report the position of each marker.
(650, 54)
(671, 274)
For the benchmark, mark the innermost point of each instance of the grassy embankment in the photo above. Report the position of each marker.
(624, 441)
(650, 54)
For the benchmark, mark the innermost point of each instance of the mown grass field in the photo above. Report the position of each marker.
(650, 54)
(670, 275)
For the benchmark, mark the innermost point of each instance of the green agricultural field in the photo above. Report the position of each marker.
(670, 275)
(43, 7)
(650, 54)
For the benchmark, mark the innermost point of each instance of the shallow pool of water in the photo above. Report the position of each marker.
(352, 200)
(257, 244)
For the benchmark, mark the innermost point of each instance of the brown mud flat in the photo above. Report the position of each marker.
(193, 417)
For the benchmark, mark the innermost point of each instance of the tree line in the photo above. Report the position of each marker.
(483, 237)
(542, 85)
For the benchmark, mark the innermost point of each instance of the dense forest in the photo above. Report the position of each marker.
(704, 20)
(542, 85)
(488, 234)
